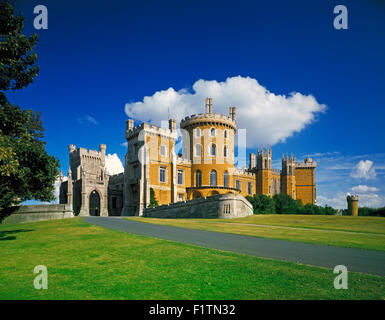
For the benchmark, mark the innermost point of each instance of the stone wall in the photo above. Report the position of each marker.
(225, 206)
(39, 213)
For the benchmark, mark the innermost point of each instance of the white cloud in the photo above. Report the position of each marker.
(113, 164)
(57, 188)
(364, 170)
(268, 118)
(364, 189)
(88, 118)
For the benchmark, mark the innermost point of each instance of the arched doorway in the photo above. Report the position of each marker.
(196, 195)
(94, 203)
(213, 193)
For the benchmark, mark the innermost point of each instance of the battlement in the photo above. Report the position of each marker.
(151, 129)
(80, 152)
(201, 118)
(243, 172)
(353, 197)
(305, 165)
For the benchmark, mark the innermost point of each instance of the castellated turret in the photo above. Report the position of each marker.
(288, 180)
(288, 165)
(264, 158)
(352, 204)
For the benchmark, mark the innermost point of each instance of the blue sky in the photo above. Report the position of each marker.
(98, 56)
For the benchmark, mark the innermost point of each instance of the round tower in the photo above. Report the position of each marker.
(352, 204)
(211, 141)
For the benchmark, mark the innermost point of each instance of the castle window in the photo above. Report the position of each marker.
(163, 151)
(238, 184)
(225, 151)
(213, 150)
(198, 132)
(226, 179)
(225, 134)
(198, 178)
(212, 132)
(265, 163)
(198, 150)
(250, 188)
(180, 176)
(213, 178)
(162, 174)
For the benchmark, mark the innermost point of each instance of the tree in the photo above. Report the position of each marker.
(285, 204)
(153, 201)
(261, 203)
(26, 170)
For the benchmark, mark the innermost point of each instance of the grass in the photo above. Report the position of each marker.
(90, 262)
(343, 231)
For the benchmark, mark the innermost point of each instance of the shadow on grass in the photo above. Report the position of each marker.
(9, 234)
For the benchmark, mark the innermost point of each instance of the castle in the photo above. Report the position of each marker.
(204, 168)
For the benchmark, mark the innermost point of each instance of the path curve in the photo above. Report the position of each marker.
(359, 260)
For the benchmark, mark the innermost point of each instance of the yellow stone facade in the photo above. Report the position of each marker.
(206, 165)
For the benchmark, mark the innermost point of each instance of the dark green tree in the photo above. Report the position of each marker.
(153, 201)
(26, 170)
(261, 203)
(285, 204)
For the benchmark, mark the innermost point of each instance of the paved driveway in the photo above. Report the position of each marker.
(366, 261)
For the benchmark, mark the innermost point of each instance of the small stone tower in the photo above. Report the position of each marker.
(87, 186)
(288, 183)
(264, 175)
(352, 204)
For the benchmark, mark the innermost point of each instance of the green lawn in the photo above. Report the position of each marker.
(89, 262)
(344, 231)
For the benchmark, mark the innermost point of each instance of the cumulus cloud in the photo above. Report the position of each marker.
(268, 117)
(364, 189)
(87, 118)
(363, 170)
(113, 164)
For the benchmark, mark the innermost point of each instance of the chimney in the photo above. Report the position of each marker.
(130, 124)
(172, 124)
(232, 113)
(251, 161)
(209, 105)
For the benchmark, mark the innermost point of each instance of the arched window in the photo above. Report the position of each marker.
(213, 178)
(213, 149)
(197, 132)
(226, 179)
(225, 134)
(265, 163)
(212, 132)
(225, 151)
(198, 150)
(198, 178)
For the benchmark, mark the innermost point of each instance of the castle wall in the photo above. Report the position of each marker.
(225, 206)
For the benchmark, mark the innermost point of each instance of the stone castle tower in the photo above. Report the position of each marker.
(352, 204)
(86, 188)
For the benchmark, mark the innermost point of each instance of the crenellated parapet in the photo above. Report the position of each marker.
(208, 119)
(133, 132)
